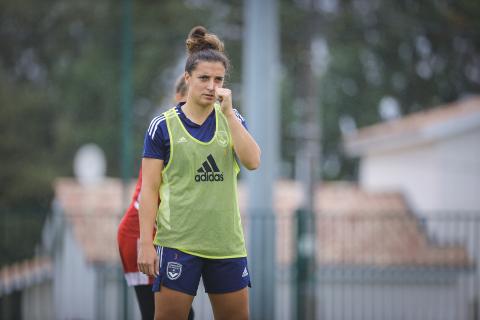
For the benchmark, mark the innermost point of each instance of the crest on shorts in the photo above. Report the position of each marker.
(174, 270)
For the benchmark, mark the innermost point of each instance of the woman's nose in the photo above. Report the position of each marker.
(211, 85)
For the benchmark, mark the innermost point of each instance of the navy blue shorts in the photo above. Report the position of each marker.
(181, 271)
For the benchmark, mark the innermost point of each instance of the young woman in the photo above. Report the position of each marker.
(128, 236)
(190, 160)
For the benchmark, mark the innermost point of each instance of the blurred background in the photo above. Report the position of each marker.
(367, 205)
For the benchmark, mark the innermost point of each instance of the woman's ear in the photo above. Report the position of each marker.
(187, 77)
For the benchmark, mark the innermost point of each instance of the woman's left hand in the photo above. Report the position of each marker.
(224, 96)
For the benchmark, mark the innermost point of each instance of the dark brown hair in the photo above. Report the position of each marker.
(204, 46)
(181, 86)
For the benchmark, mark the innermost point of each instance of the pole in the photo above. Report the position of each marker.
(307, 163)
(261, 101)
(126, 104)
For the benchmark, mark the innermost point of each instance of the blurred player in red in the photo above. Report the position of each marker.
(129, 233)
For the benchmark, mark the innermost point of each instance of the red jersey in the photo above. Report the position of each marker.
(128, 236)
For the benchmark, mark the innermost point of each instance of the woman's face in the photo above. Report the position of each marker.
(203, 81)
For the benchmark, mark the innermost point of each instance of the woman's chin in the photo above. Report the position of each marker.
(207, 102)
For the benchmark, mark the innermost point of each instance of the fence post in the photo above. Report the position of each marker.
(305, 265)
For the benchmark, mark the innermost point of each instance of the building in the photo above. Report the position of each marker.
(432, 157)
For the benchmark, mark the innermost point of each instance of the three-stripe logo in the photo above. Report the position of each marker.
(209, 171)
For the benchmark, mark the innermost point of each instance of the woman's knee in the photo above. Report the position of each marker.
(170, 314)
(238, 315)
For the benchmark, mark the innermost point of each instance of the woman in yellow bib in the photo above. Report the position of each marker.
(190, 161)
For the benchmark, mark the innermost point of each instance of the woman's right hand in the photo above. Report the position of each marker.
(148, 260)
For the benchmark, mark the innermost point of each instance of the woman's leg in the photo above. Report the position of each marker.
(226, 281)
(176, 285)
(145, 300)
(172, 304)
(231, 306)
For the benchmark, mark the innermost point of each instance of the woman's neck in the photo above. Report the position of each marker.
(197, 114)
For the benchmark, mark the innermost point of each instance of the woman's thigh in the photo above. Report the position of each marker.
(172, 304)
(231, 305)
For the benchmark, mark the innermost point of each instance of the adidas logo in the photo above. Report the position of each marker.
(209, 171)
(245, 273)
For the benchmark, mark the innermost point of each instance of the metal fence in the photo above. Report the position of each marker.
(382, 266)
(366, 266)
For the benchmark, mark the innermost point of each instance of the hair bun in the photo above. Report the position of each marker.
(199, 39)
(197, 32)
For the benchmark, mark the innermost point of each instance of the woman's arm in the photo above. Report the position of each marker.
(151, 179)
(246, 149)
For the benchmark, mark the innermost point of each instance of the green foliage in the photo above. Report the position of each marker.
(421, 53)
(19, 234)
(60, 73)
(60, 80)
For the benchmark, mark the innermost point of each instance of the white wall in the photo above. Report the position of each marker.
(74, 281)
(112, 294)
(435, 177)
(459, 171)
(412, 171)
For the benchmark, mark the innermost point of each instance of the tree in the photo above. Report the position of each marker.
(420, 54)
(60, 87)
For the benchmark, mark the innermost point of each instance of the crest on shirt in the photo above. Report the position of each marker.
(222, 138)
(182, 140)
(174, 270)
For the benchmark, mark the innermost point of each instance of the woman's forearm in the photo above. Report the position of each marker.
(246, 149)
(151, 180)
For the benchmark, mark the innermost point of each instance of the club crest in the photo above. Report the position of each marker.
(222, 138)
(174, 270)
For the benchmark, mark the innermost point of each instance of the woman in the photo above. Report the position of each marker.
(190, 160)
(128, 236)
